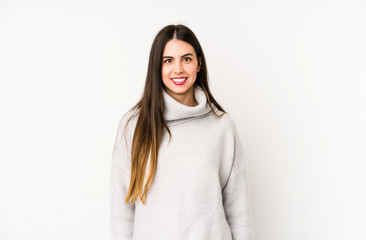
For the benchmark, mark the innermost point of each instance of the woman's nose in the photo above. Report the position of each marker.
(178, 67)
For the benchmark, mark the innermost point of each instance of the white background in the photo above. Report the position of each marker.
(291, 73)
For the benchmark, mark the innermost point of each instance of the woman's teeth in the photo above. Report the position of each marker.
(179, 79)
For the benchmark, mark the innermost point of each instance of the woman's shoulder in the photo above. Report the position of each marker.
(128, 121)
(225, 120)
(230, 131)
(130, 115)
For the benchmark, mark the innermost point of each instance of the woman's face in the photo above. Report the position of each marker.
(179, 69)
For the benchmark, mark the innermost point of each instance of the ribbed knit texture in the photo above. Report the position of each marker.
(200, 190)
(174, 111)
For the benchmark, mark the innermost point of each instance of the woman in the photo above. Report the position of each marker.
(177, 154)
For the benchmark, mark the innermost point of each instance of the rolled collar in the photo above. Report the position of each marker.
(175, 111)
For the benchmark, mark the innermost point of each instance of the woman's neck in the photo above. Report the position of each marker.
(186, 98)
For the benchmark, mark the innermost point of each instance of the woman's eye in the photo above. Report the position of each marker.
(168, 61)
(188, 59)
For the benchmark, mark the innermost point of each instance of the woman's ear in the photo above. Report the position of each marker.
(199, 64)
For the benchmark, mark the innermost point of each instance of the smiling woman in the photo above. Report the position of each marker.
(177, 154)
(179, 71)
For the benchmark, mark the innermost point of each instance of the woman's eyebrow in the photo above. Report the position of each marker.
(181, 56)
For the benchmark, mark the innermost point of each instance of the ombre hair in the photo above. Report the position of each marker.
(150, 110)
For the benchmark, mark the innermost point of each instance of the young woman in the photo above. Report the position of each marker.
(177, 154)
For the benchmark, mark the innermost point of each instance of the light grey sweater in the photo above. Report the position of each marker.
(200, 189)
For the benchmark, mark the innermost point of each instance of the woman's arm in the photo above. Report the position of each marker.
(122, 213)
(235, 194)
(236, 201)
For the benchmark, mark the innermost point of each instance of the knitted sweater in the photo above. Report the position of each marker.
(200, 189)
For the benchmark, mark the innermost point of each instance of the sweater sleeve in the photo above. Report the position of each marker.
(236, 201)
(122, 213)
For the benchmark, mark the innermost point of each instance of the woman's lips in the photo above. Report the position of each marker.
(179, 81)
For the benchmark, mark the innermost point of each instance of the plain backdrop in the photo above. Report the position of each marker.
(291, 74)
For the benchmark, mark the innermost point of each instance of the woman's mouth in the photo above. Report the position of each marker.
(179, 81)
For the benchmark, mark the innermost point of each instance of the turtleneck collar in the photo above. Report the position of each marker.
(175, 111)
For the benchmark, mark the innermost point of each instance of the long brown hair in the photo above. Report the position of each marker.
(150, 109)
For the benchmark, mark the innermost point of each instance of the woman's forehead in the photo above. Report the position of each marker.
(178, 47)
